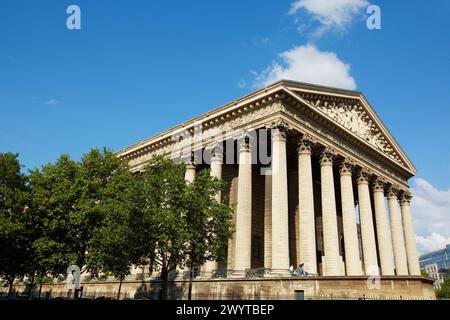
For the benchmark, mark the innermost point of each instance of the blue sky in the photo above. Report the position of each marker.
(138, 67)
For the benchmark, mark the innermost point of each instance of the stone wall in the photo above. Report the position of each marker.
(259, 289)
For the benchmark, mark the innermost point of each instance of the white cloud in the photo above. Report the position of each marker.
(336, 14)
(432, 242)
(308, 64)
(51, 102)
(431, 215)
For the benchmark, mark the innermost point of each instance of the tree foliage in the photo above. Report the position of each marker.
(112, 248)
(444, 291)
(208, 222)
(179, 224)
(158, 221)
(53, 201)
(96, 214)
(14, 240)
(69, 201)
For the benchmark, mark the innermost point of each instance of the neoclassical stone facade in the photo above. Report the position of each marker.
(314, 177)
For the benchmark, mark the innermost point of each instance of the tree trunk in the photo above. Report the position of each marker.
(11, 283)
(120, 288)
(40, 289)
(191, 275)
(30, 290)
(165, 283)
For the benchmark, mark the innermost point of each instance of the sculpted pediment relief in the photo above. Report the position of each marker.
(350, 114)
(347, 110)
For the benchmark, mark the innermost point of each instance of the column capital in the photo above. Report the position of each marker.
(189, 159)
(279, 129)
(393, 192)
(305, 144)
(279, 124)
(216, 151)
(245, 142)
(379, 185)
(363, 176)
(405, 198)
(346, 167)
(327, 156)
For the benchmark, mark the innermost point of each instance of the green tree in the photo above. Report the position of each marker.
(208, 222)
(112, 249)
(97, 170)
(178, 224)
(14, 244)
(68, 205)
(98, 215)
(158, 220)
(54, 198)
(444, 291)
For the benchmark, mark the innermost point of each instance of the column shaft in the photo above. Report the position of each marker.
(331, 259)
(383, 235)
(189, 177)
(216, 171)
(352, 259)
(244, 211)
(398, 242)
(307, 225)
(189, 174)
(367, 229)
(280, 222)
(410, 239)
(268, 220)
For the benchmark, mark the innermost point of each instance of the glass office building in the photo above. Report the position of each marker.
(439, 257)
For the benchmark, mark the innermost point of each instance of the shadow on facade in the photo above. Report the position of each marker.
(152, 290)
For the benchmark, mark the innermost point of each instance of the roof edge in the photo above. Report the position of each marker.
(280, 83)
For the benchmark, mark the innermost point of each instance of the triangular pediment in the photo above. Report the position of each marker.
(346, 110)
(351, 111)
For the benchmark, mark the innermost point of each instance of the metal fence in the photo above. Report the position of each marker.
(112, 295)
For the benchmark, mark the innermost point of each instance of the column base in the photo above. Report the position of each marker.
(236, 274)
(332, 265)
(205, 275)
(279, 273)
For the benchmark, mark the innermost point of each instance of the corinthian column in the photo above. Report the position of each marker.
(244, 210)
(408, 230)
(383, 236)
(307, 225)
(367, 230)
(189, 174)
(352, 259)
(216, 168)
(280, 219)
(398, 242)
(268, 219)
(331, 258)
(216, 171)
(189, 177)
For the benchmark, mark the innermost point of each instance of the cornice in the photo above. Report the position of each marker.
(208, 120)
(317, 129)
(351, 94)
(322, 119)
(351, 114)
(258, 100)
